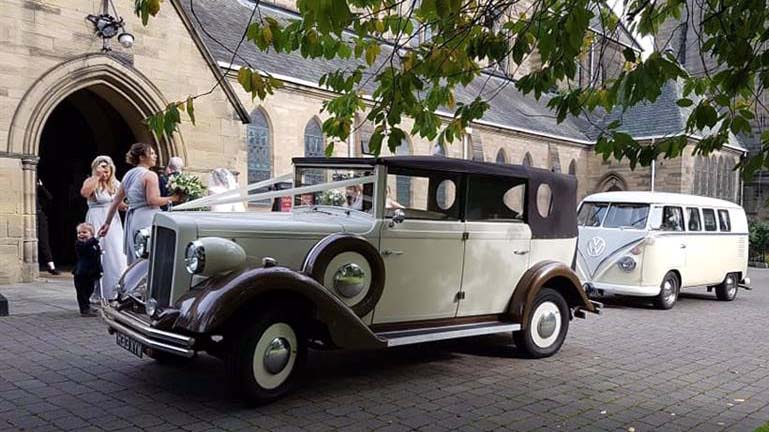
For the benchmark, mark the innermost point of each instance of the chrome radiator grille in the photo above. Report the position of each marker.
(162, 264)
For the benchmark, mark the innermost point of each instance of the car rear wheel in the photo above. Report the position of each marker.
(727, 290)
(669, 289)
(546, 325)
(267, 358)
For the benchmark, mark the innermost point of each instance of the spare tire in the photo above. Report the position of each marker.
(351, 268)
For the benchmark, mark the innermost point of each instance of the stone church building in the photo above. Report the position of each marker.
(63, 101)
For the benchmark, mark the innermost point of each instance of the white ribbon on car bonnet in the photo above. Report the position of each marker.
(241, 194)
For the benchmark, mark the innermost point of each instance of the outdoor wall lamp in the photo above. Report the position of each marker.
(108, 26)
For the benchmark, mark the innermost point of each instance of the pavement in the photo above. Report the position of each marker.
(704, 366)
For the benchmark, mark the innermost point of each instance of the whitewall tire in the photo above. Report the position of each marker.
(267, 358)
(546, 325)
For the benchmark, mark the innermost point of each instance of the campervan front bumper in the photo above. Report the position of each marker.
(135, 333)
(629, 290)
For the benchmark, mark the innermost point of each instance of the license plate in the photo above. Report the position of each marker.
(130, 344)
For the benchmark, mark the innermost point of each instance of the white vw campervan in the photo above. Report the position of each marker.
(652, 244)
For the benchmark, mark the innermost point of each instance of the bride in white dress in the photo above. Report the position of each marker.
(100, 190)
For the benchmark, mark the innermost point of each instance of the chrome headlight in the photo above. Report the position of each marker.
(142, 243)
(195, 257)
(626, 264)
(209, 256)
(151, 306)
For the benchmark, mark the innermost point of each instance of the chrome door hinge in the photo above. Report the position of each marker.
(465, 236)
(460, 296)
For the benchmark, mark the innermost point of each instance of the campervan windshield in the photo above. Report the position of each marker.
(613, 215)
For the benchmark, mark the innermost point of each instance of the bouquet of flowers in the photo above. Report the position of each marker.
(187, 185)
(333, 197)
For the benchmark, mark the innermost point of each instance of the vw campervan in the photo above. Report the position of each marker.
(652, 244)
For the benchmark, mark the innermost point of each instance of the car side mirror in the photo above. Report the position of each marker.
(655, 218)
(398, 217)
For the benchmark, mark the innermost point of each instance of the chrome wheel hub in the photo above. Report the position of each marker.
(547, 324)
(276, 355)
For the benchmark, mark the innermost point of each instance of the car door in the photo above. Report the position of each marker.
(423, 253)
(497, 244)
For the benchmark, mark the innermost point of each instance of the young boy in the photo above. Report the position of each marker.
(88, 267)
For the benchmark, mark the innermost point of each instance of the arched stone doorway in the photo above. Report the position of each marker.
(87, 123)
(82, 88)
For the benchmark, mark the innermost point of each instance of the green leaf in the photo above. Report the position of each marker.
(684, 102)
(190, 110)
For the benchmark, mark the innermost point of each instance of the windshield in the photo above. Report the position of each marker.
(591, 214)
(626, 216)
(356, 197)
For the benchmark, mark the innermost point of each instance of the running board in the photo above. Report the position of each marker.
(408, 337)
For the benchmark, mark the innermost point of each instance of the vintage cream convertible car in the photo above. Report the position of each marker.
(377, 252)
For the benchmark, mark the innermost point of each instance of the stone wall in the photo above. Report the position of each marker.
(44, 45)
(11, 220)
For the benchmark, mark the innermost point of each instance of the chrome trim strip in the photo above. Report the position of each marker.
(185, 352)
(441, 333)
(139, 326)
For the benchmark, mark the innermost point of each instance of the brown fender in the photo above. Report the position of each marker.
(551, 274)
(206, 309)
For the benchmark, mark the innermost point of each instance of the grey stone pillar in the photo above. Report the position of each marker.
(29, 172)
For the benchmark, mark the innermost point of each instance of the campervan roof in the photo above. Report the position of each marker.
(659, 198)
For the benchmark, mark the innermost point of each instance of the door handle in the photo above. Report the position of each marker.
(521, 252)
(388, 252)
(683, 246)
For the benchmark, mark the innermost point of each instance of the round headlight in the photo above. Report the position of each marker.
(627, 264)
(195, 257)
(151, 306)
(141, 243)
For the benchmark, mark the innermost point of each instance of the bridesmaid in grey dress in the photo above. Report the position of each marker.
(140, 187)
(99, 190)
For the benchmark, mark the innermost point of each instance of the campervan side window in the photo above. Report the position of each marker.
(709, 217)
(672, 219)
(591, 214)
(695, 224)
(621, 215)
(723, 221)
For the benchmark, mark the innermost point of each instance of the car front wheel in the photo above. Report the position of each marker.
(669, 289)
(727, 290)
(267, 358)
(546, 326)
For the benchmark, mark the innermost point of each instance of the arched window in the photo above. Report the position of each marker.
(713, 174)
(438, 150)
(730, 179)
(527, 160)
(403, 183)
(313, 147)
(501, 156)
(573, 167)
(708, 187)
(313, 139)
(612, 182)
(258, 145)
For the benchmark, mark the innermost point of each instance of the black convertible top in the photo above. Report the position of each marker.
(561, 222)
(427, 163)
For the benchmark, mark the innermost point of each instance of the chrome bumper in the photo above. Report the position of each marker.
(137, 327)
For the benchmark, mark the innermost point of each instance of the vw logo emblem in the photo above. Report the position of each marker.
(596, 246)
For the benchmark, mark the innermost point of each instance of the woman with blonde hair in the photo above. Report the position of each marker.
(100, 191)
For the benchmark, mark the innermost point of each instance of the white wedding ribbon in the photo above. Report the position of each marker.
(240, 194)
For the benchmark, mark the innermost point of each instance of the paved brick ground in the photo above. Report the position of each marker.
(702, 366)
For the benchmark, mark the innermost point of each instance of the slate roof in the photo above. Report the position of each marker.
(225, 20)
(662, 118)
